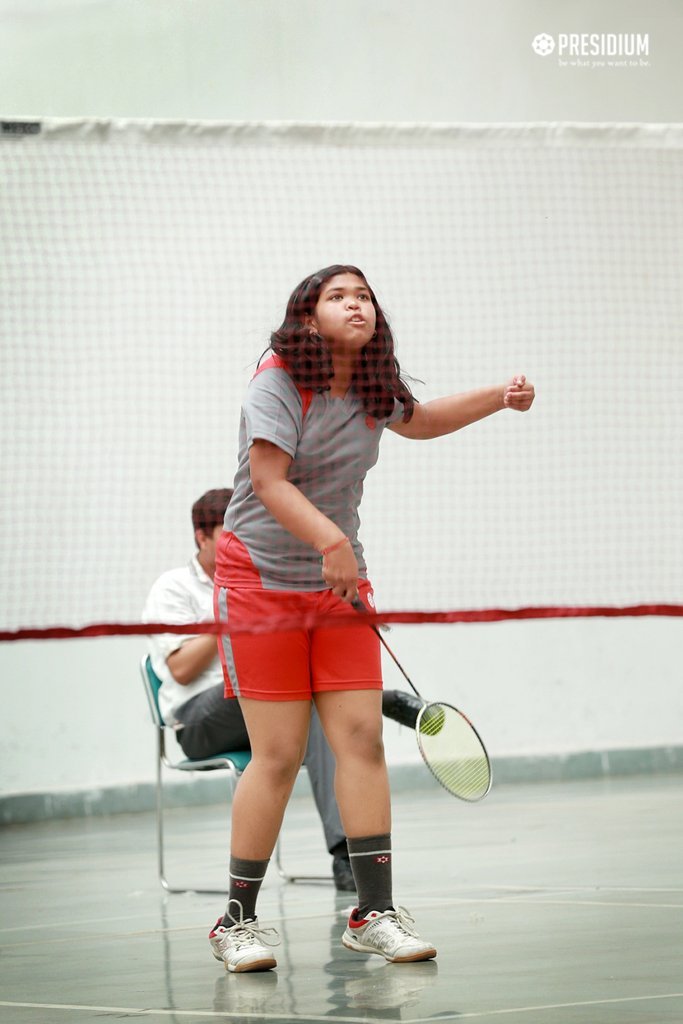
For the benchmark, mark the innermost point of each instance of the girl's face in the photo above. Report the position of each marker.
(344, 314)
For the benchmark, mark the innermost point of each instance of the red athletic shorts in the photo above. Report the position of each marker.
(294, 664)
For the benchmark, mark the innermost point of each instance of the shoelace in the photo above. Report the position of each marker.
(247, 932)
(404, 921)
(243, 933)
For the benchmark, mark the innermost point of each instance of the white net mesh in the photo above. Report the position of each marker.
(143, 267)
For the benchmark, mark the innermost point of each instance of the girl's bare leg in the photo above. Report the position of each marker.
(352, 720)
(278, 733)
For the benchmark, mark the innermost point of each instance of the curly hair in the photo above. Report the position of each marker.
(377, 376)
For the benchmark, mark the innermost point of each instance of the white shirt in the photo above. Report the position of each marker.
(179, 596)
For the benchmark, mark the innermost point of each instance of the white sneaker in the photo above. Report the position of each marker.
(239, 947)
(389, 933)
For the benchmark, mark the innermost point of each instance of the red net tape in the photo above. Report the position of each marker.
(289, 622)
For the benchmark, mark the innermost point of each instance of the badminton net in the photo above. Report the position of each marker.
(144, 265)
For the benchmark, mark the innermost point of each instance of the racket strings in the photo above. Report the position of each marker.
(453, 752)
(470, 781)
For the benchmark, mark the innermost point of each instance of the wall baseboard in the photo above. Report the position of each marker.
(22, 808)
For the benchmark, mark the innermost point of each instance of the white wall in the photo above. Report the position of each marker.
(74, 712)
(385, 60)
(77, 718)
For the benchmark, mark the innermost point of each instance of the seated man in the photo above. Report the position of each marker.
(191, 697)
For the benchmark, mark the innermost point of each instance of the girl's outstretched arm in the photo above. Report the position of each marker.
(446, 415)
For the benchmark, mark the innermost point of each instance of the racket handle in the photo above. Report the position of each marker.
(358, 605)
(361, 609)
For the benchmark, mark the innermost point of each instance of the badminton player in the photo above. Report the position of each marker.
(192, 695)
(310, 430)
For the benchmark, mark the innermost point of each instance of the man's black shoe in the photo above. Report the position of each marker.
(402, 707)
(342, 873)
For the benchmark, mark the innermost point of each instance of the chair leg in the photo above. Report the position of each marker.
(165, 885)
(160, 815)
(294, 879)
(163, 881)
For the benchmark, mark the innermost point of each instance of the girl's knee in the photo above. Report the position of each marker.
(364, 741)
(278, 764)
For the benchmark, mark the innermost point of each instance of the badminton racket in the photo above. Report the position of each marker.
(449, 744)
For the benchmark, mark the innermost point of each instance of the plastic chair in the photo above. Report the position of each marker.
(233, 762)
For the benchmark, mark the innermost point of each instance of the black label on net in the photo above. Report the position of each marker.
(20, 127)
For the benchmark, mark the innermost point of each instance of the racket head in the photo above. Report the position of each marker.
(453, 751)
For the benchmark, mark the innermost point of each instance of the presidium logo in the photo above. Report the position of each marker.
(595, 49)
(543, 45)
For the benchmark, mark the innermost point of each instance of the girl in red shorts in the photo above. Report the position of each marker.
(310, 429)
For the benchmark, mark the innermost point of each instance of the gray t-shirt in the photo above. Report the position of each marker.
(333, 444)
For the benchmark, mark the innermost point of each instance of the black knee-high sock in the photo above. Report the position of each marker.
(371, 865)
(245, 881)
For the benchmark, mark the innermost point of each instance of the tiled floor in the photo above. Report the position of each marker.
(556, 904)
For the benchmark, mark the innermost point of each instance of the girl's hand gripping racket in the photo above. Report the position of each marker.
(450, 746)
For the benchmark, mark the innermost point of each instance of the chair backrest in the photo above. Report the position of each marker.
(152, 685)
(238, 759)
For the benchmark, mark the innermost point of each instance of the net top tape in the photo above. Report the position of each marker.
(401, 134)
(314, 621)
